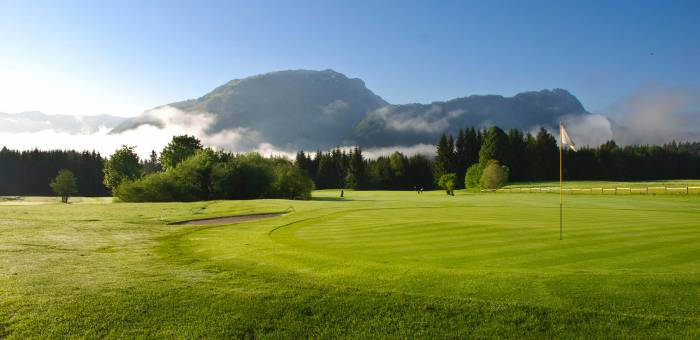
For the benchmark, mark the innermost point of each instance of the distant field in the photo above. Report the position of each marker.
(375, 264)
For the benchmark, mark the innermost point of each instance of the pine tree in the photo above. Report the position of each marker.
(495, 146)
(473, 145)
(442, 159)
(519, 160)
(356, 177)
(461, 157)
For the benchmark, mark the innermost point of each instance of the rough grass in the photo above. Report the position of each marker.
(376, 264)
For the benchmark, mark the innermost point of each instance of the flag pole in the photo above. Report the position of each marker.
(561, 183)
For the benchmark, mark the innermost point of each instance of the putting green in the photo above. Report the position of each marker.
(621, 256)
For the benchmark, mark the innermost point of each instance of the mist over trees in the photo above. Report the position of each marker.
(198, 173)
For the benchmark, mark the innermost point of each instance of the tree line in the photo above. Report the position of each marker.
(337, 169)
(528, 157)
(29, 172)
(474, 158)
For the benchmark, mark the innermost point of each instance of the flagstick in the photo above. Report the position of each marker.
(561, 184)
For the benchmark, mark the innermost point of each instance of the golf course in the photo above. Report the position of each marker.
(373, 264)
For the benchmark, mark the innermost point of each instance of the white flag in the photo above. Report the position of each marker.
(565, 139)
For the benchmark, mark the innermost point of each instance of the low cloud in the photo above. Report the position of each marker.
(417, 149)
(431, 121)
(659, 114)
(335, 107)
(654, 114)
(165, 122)
(588, 130)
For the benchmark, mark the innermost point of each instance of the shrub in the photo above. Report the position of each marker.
(217, 175)
(473, 177)
(494, 176)
(447, 182)
(292, 183)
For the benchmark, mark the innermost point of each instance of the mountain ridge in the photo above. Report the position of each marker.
(308, 109)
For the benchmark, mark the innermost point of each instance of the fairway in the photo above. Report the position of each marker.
(374, 264)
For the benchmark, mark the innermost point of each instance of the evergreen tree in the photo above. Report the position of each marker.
(495, 146)
(152, 164)
(472, 141)
(356, 177)
(444, 157)
(544, 155)
(518, 161)
(461, 157)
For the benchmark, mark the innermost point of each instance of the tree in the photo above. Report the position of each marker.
(472, 141)
(152, 164)
(444, 157)
(64, 185)
(494, 176)
(519, 158)
(461, 155)
(544, 155)
(123, 165)
(495, 146)
(356, 177)
(179, 149)
(447, 182)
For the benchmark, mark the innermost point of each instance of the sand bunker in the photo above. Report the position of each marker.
(229, 220)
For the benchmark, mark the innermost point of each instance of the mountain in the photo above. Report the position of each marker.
(414, 123)
(304, 109)
(34, 121)
(291, 109)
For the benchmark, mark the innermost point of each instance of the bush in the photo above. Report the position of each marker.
(447, 182)
(217, 175)
(473, 177)
(155, 187)
(292, 183)
(494, 176)
(246, 176)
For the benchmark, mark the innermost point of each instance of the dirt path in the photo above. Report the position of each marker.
(229, 220)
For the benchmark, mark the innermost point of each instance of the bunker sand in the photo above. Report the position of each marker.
(229, 220)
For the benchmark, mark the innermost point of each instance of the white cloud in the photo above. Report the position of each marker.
(588, 130)
(417, 149)
(431, 121)
(659, 114)
(146, 137)
(335, 107)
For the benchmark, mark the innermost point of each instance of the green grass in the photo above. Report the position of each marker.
(376, 264)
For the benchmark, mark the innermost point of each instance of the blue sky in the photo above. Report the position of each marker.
(91, 57)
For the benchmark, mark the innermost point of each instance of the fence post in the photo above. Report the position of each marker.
(686, 189)
(647, 191)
